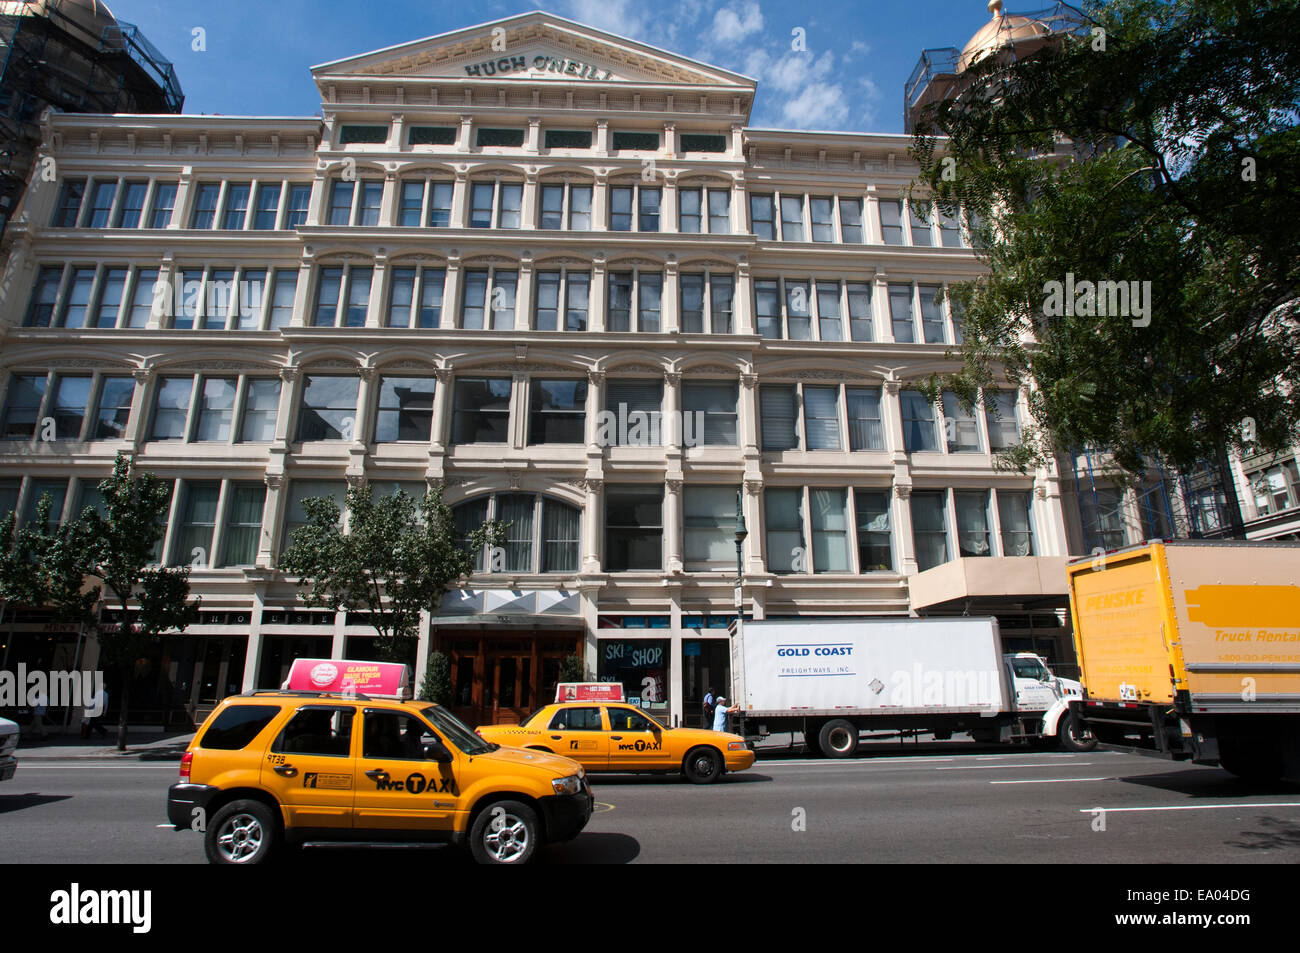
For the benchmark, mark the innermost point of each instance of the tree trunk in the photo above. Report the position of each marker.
(126, 705)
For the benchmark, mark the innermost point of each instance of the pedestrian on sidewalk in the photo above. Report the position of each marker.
(38, 713)
(720, 713)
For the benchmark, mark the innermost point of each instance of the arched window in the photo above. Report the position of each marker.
(543, 534)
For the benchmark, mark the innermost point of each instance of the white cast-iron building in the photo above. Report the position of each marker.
(557, 272)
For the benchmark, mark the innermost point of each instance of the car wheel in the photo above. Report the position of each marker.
(702, 766)
(838, 738)
(242, 832)
(506, 832)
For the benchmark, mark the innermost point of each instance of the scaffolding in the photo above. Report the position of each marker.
(938, 75)
(66, 55)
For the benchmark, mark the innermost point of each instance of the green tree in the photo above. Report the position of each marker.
(117, 544)
(1158, 144)
(396, 557)
(572, 669)
(69, 567)
(436, 685)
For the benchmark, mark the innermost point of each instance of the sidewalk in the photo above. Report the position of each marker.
(143, 744)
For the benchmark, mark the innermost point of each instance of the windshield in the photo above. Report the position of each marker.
(455, 731)
(1030, 668)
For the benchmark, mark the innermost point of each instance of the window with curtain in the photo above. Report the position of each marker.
(709, 521)
(1000, 414)
(960, 429)
(973, 523)
(1013, 515)
(516, 510)
(561, 536)
(932, 313)
(243, 524)
(829, 518)
(875, 538)
(783, 519)
(821, 417)
(830, 326)
(929, 528)
(866, 429)
(779, 416)
(198, 520)
(468, 517)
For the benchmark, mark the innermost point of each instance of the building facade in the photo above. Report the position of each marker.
(555, 272)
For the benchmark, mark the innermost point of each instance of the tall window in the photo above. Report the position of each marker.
(300, 490)
(821, 214)
(205, 205)
(102, 195)
(634, 528)
(973, 522)
(762, 217)
(900, 313)
(828, 517)
(779, 413)
(243, 524)
(76, 299)
(261, 407)
(555, 548)
(405, 411)
(866, 431)
(875, 545)
(140, 309)
(920, 221)
(108, 300)
(830, 323)
(236, 210)
(565, 202)
(113, 408)
(557, 411)
(918, 422)
(164, 202)
(482, 410)
(950, 229)
(929, 528)
(783, 519)
(415, 297)
(68, 209)
(69, 406)
(861, 321)
(564, 293)
(284, 290)
(1000, 415)
(298, 206)
(709, 290)
(709, 521)
(132, 206)
(23, 404)
(494, 204)
(932, 313)
(891, 221)
(329, 408)
(216, 408)
(490, 290)
(792, 218)
(171, 408)
(267, 207)
(633, 413)
(197, 521)
(1013, 515)
(45, 296)
(634, 208)
(712, 403)
(851, 220)
(960, 429)
(821, 417)
(343, 296)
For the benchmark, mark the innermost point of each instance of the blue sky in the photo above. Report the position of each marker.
(859, 54)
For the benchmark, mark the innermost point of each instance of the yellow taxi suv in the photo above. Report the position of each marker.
(270, 769)
(619, 738)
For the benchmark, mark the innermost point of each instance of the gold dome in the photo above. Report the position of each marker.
(1002, 31)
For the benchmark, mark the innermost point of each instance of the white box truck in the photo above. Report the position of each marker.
(832, 679)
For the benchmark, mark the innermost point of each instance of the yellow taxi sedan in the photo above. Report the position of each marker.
(618, 738)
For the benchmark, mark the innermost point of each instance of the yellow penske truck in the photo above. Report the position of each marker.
(1191, 651)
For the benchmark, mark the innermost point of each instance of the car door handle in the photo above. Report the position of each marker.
(555, 738)
(376, 774)
(285, 770)
(615, 737)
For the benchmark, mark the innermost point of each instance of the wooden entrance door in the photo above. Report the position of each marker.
(502, 677)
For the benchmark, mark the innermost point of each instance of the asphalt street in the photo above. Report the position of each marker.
(924, 803)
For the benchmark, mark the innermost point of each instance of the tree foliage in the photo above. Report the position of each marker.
(396, 557)
(1163, 149)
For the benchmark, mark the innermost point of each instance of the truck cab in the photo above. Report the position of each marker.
(1042, 702)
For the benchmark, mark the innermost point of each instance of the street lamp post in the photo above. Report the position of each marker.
(741, 533)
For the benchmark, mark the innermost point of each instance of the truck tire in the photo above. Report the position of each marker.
(243, 833)
(702, 765)
(506, 832)
(838, 738)
(1251, 759)
(1072, 738)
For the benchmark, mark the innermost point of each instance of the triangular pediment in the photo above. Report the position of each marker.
(534, 47)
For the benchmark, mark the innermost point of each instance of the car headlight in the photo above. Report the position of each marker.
(570, 785)
(737, 746)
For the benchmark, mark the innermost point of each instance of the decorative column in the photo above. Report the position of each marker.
(182, 208)
(900, 517)
(375, 317)
(602, 137)
(463, 140)
(599, 291)
(873, 233)
(460, 199)
(388, 205)
(141, 403)
(600, 202)
(533, 142)
(268, 550)
(524, 294)
(668, 206)
(753, 505)
(528, 203)
(742, 306)
(739, 204)
(443, 394)
(884, 328)
(302, 293)
(451, 292)
(595, 404)
(670, 303)
(673, 525)
(670, 140)
(593, 525)
(319, 196)
(672, 424)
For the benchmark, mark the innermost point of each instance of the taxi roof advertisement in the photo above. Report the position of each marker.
(340, 675)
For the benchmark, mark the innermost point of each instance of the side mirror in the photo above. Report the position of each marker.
(437, 751)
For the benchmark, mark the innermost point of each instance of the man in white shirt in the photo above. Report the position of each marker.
(720, 712)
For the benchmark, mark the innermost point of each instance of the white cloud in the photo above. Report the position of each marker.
(732, 24)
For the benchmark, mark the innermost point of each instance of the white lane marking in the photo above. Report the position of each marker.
(1185, 807)
(1050, 780)
(988, 767)
(28, 766)
(848, 761)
